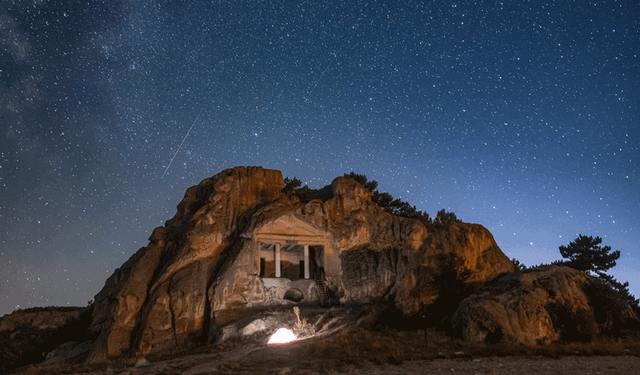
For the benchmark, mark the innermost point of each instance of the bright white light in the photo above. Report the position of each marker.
(281, 337)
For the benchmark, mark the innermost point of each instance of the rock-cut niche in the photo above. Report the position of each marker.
(290, 248)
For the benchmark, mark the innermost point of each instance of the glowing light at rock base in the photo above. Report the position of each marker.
(282, 336)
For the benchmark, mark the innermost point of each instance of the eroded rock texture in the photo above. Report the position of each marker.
(214, 256)
(540, 306)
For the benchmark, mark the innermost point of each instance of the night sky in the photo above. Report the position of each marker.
(522, 116)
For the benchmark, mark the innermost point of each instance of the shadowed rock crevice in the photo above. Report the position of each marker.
(368, 274)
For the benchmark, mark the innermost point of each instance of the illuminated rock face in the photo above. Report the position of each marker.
(522, 314)
(238, 241)
(520, 309)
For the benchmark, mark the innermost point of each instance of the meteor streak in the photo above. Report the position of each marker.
(183, 139)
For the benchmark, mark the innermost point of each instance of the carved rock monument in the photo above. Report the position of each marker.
(237, 242)
(240, 242)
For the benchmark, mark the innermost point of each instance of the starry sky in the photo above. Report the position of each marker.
(522, 116)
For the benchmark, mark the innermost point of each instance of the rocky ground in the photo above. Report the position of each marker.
(245, 361)
(358, 341)
(512, 365)
(371, 352)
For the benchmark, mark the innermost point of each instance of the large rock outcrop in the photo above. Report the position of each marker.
(216, 255)
(41, 318)
(26, 334)
(540, 306)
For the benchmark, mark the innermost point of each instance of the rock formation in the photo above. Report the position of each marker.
(26, 334)
(240, 242)
(237, 241)
(540, 306)
(51, 318)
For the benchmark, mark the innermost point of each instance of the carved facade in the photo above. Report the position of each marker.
(291, 248)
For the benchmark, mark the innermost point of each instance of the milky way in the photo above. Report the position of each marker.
(522, 116)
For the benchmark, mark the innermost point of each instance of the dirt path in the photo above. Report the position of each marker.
(508, 365)
(233, 364)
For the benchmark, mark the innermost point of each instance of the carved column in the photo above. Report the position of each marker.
(277, 260)
(306, 261)
(257, 258)
(258, 249)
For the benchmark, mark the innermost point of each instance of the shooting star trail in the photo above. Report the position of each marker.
(327, 68)
(322, 75)
(183, 139)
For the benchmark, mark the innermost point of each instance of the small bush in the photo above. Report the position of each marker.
(452, 287)
(610, 307)
(574, 326)
(292, 188)
(519, 267)
(444, 219)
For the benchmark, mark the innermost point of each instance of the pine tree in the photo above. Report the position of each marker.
(291, 184)
(585, 254)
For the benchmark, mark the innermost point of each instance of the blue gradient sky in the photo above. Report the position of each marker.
(522, 116)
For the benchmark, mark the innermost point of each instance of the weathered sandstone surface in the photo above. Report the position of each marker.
(538, 307)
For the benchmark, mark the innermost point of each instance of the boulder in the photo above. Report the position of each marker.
(539, 306)
(69, 350)
(294, 294)
(309, 290)
(259, 325)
